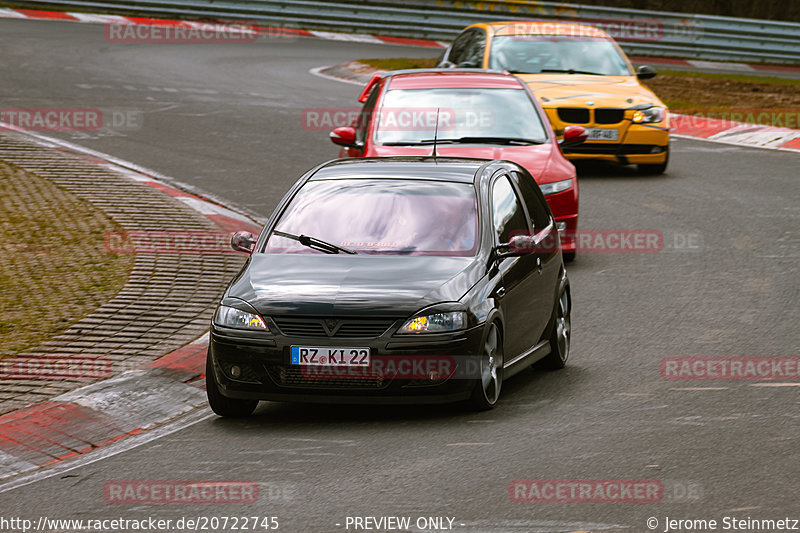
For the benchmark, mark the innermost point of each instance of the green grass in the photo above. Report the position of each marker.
(744, 78)
(399, 63)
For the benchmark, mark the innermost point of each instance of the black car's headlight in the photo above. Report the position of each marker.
(651, 114)
(236, 318)
(435, 323)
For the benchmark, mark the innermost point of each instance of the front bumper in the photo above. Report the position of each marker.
(265, 372)
(637, 143)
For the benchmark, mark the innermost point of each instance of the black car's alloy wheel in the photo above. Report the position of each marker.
(560, 334)
(228, 407)
(487, 389)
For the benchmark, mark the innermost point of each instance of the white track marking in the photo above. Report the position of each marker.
(716, 65)
(733, 143)
(100, 19)
(351, 37)
(11, 14)
(122, 446)
(317, 71)
(207, 208)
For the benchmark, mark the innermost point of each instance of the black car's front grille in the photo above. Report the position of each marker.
(289, 376)
(364, 328)
(573, 115)
(608, 115)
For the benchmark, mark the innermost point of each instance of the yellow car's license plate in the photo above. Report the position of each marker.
(602, 134)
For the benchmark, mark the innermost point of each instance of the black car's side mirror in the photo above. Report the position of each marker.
(645, 72)
(243, 241)
(545, 241)
(518, 245)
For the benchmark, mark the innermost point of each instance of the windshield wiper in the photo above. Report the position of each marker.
(488, 140)
(570, 71)
(316, 244)
(408, 143)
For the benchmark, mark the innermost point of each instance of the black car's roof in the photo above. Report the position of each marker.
(404, 167)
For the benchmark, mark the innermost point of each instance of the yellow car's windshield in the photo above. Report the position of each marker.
(534, 54)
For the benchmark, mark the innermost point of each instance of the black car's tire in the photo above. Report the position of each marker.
(487, 388)
(560, 333)
(569, 257)
(227, 407)
(657, 168)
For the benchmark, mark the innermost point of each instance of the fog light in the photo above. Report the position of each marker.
(561, 226)
(656, 150)
(236, 371)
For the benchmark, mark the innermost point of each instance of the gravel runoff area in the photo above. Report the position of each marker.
(53, 266)
(85, 302)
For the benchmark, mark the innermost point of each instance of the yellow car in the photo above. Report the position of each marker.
(581, 76)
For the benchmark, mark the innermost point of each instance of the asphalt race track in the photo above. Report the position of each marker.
(225, 119)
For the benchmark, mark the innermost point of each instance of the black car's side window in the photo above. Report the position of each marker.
(508, 216)
(534, 200)
(364, 118)
(468, 48)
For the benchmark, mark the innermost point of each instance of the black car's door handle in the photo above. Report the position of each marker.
(501, 292)
(539, 264)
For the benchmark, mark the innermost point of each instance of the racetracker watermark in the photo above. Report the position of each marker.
(585, 491)
(730, 368)
(593, 241)
(771, 117)
(168, 242)
(180, 492)
(71, 118)
(428, 119)
(634, 29)
(333, 363)
(182, 32)
(56, 367)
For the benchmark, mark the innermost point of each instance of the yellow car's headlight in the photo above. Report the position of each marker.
(651, 114)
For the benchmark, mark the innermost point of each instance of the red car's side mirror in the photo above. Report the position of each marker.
(344, 136)
(574, 135)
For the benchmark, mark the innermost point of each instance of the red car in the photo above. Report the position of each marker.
(468, 113)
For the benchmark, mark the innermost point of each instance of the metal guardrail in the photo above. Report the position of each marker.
(650, 33)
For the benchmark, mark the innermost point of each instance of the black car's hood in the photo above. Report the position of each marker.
(324, 284)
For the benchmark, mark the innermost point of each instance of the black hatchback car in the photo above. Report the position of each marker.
(393, 280)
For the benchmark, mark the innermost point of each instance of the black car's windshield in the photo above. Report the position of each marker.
(533, 54)
(381, 216)
(408, 116)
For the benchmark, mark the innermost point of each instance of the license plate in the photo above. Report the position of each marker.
(602, 134)
(329, 356)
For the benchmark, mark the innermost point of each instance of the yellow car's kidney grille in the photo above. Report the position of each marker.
(573, 115)
(608, 115)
